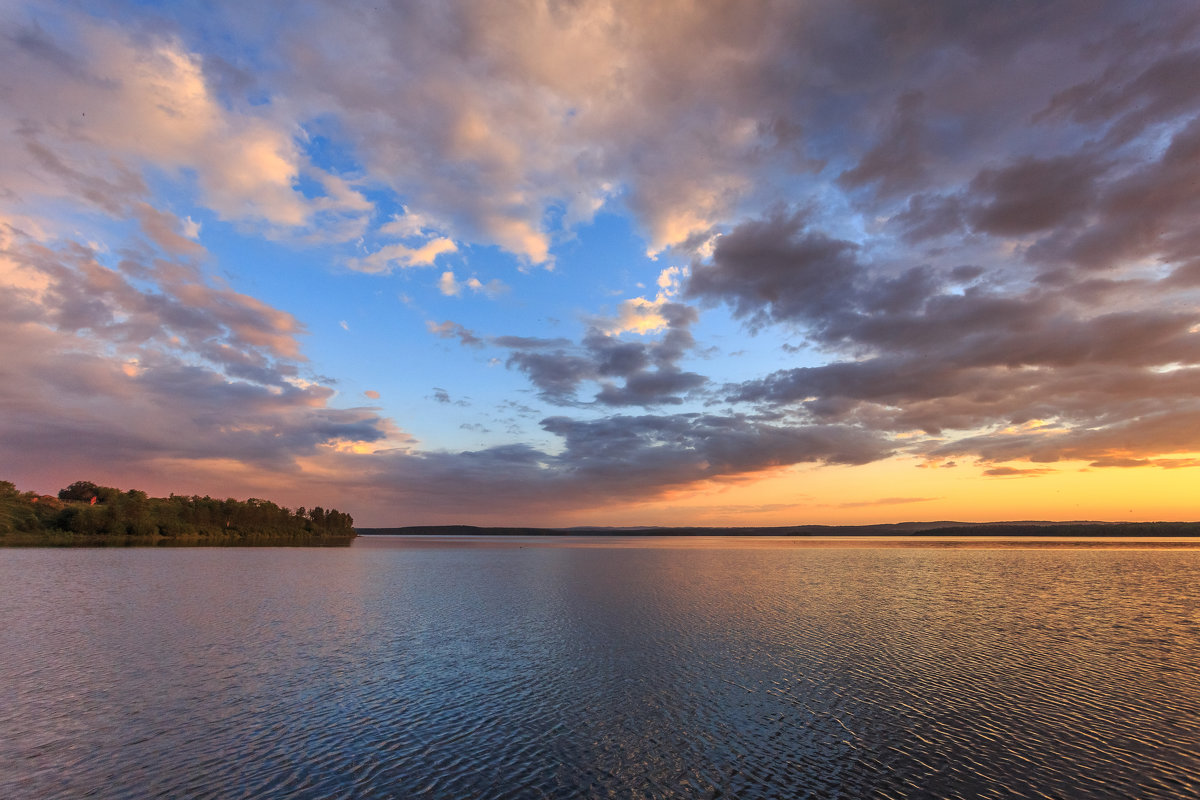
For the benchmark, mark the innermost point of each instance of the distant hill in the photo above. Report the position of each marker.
(938, 528)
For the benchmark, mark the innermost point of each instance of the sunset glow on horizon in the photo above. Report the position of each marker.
(607, 263)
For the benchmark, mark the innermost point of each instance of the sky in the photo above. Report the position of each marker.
(606, 263)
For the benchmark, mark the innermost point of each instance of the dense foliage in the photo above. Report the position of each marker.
(86, 514)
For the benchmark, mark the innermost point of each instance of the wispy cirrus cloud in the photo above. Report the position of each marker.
(886, 501)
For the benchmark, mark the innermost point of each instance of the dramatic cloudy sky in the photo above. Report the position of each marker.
(607, 262)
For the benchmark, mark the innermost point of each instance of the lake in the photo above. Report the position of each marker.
(602, 667)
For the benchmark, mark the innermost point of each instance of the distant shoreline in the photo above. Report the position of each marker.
(940, 528)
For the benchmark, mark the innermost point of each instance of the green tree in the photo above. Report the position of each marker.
(79, 490)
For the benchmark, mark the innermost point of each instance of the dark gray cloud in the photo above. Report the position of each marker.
(1090, 209)
(1161, 88)
(620, 453)
(1084, 364)
(1032, 194)
(896, 163)
(778, 270)
(646, 388)
(628, 372)
(1147, 212)
(928, 216)
(1088, 166)
(557, 374)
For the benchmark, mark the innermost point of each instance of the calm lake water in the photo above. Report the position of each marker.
(585, 667)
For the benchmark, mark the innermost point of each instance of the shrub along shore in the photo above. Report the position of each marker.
(86, 515)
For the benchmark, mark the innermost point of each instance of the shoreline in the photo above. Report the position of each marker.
(940, 529)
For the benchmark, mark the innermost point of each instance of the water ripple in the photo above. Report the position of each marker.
(560, 672)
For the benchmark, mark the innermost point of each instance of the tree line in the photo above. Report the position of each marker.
(87, 514)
